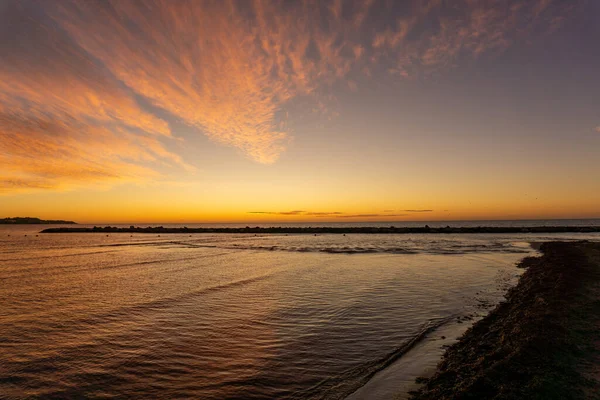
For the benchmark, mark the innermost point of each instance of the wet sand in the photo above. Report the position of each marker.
(398, 380)
(542, 343)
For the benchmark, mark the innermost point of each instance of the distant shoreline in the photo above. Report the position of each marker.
(330, 230)
(33, 221)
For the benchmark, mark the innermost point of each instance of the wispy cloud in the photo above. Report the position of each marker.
(334, 214)
(598, 128)
(47, 154)
(65, 122)
(224, 67)
(299, 212)
(410, 211)
(369, 215)
(94, 83)
(436, 34)
(324, 214)
(294, 212)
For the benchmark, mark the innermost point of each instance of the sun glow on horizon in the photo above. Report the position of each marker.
(260, 111)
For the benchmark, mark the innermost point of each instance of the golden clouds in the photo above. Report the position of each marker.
(65, 122)
(222, 67)
(338, 214)
(47, 154)
(88, 89)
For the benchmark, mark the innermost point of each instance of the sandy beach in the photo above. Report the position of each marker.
(542, 343)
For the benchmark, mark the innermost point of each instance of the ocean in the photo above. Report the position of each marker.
(220, 316)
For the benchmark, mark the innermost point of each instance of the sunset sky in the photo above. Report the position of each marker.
(370, 110)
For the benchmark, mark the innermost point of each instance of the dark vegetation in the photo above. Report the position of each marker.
(322, 230)
(542, 343)
(31, 220)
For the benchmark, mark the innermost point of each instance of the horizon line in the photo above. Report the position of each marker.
(341, 222)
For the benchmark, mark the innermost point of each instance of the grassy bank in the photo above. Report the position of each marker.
(543, 342)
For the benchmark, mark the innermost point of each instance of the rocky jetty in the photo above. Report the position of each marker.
(324, 230)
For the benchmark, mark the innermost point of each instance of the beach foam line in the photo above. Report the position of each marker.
(341, 386)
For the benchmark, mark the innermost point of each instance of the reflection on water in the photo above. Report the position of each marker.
(230, 316)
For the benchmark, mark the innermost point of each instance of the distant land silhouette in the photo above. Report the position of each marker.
(32, 220)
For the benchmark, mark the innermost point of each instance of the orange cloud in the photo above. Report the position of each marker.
(336, 214)
(64, 120)
(211, 65)
(44, 73)
(294, 212)
(369, 215)
(87, 87)
(50, 154)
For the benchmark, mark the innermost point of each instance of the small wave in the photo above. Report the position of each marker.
(343, 385)
(30, 272)
(373, 250)
(349, 251)
(168, 301)
(441, 247)
(140, 309)
(153, 243)
(56, 256)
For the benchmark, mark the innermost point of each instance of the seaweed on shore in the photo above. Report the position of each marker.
(539, 343)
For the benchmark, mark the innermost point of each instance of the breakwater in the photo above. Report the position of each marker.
(329, 230)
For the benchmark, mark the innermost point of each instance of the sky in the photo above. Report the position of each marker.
(235, 111)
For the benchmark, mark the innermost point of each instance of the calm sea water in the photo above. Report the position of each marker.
(232, 316)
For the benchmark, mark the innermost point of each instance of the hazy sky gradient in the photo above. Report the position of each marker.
(206, 111)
